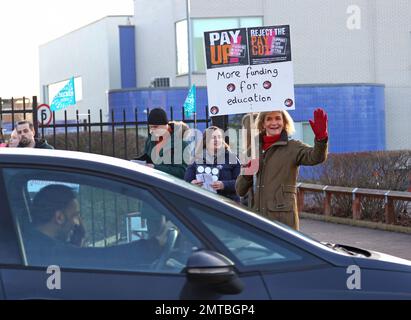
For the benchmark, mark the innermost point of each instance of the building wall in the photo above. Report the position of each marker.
(155, 40)
(127, 57)
(155, 34)
(324, 49)
(393, 68)
(398, 118)
(227, 8)
(325, 52)
(355, 113)
(91, 52)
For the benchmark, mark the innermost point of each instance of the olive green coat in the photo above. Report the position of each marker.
(274, 193)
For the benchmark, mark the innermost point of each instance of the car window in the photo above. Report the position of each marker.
(249, 245)
(89, 222)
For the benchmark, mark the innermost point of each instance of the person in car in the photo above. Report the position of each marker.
(272, 176)
(57, 234)
(216, 160)
(56, 215)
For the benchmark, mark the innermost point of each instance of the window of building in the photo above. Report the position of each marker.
(202, 25)
(199, 26)
(182, 47)
(304, 133)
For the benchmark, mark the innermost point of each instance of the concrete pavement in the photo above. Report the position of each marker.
(397, 244)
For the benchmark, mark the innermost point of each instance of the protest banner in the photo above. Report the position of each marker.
(249, 70)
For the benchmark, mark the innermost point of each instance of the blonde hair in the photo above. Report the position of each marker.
(207, 137)
(288, 121)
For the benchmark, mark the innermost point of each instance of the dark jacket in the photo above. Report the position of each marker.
(228, 173)
(274, 193)
(42, 250)
(42, 144)
(177, 167)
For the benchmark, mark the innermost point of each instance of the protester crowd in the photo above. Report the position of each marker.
(266, 183)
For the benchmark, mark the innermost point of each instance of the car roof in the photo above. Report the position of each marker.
(74, 155)
(91, 160)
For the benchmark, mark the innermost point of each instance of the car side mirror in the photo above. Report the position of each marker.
(213, 271)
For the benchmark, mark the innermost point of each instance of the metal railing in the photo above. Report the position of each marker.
(13, 110)
(103, 130)
(357, 194)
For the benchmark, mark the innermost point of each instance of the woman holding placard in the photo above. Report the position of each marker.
(216, 167)
(270, 180)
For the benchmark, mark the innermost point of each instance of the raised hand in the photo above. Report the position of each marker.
(320, 124)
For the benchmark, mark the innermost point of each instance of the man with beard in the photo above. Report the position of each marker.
(56, 236)
(56, 223)
(26, 133)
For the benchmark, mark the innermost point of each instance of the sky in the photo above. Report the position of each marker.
(27, 24)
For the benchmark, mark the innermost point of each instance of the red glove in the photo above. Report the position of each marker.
(319, 125)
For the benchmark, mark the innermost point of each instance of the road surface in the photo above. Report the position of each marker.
(397, 244)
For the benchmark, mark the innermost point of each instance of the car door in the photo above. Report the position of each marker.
(288, 271)
(117, 216)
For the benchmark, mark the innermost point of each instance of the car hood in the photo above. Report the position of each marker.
(383, 261)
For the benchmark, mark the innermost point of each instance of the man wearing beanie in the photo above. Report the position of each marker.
(162, 150)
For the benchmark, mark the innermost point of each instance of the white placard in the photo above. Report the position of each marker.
(249, 70)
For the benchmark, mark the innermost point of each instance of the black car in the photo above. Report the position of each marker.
(209, 247)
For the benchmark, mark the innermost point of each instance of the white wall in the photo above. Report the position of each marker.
(398, 118)
(393, 45)
(226, 8)
(393, 67)
(92, 53)
(155, 33)
(155, 40)
(324, 50)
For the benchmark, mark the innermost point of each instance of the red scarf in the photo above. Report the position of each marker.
(268, 141)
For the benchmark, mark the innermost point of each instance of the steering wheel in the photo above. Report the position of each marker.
(172, 235)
